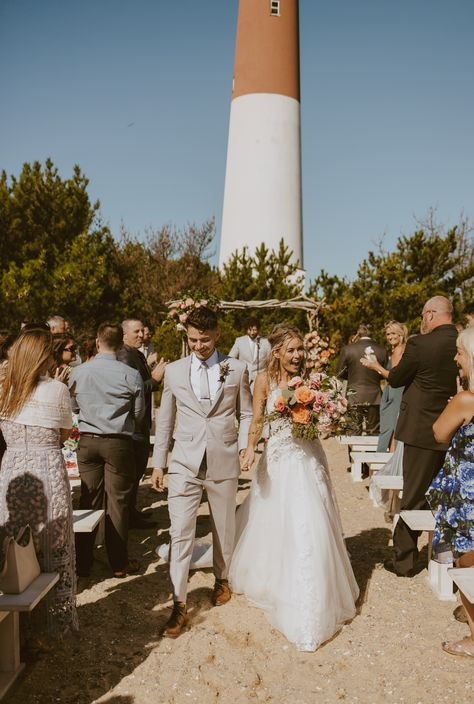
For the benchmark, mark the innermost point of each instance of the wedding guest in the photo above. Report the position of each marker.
(451, 495)
(108, 395)
(363, 384)
(253, 349)
(147, 347)
(396, 334)
(469, 315)
(35, 414)
(57, 324)
(130, 354)
(64, 354)
(428, 372)
(5, 345)
(89, 347)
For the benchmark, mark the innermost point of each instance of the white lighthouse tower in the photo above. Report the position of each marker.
(262, 197)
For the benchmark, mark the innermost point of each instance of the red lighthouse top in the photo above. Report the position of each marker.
(267, 48)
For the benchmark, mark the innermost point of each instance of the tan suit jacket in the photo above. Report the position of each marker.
(197, 430)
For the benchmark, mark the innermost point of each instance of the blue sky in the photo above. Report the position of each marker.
(138, 94)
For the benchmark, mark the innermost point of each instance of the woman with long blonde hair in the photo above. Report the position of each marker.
(35, 414)
(290, 558)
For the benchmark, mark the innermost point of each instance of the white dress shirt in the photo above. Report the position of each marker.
(213, 375)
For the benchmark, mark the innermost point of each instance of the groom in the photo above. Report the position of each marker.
(204, 395)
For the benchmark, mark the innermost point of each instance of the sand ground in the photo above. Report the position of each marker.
(390, 652)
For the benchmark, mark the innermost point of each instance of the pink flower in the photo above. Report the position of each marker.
(280, 404)
(183, 317)
(189, 302)
(330, 407)
(295, 382)
(320, 398)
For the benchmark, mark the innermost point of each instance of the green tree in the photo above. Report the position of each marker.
(395, 285)
(55, 256)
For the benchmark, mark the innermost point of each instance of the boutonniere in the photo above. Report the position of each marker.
(224, 370)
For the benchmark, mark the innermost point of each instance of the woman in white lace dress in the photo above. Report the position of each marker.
(290, 559)
(35, 413)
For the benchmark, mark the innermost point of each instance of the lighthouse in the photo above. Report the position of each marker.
(262, 195)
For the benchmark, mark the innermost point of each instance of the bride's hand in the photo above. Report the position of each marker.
(247, 458)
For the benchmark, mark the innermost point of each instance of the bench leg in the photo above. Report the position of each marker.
(10, 665)
(356, 471)
(440, 581)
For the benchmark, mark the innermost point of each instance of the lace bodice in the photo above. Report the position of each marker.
(49, 406)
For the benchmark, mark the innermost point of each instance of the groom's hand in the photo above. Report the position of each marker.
(247, 458)
(157, 480)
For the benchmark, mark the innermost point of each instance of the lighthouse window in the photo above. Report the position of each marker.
(275, 7)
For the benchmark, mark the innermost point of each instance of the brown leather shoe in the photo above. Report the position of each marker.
(176, 622)
(221, 594)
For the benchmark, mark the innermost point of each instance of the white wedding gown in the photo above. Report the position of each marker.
(290, 559)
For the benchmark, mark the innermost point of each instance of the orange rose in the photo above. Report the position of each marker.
(305, 395)
(300, 414)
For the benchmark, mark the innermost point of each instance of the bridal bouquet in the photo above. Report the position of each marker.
(318, 351)
(313, 407)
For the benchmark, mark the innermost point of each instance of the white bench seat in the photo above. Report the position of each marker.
(392, 482)
(463, 577)
(375, 460)
(85, 520)
(371, 440)
(10, 606)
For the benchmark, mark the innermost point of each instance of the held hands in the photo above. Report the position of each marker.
(247, 458)
(157, 480)
(158, 372)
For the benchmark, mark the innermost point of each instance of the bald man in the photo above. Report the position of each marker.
(428, 372)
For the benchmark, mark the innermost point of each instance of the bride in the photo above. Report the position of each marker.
(290, 558)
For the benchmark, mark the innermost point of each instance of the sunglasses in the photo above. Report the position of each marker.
(69, 349)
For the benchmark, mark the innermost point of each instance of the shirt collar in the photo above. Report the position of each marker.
(210, 361)
(105, 355)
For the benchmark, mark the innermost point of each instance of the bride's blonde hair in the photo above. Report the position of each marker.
(279, 336)
(28, 358)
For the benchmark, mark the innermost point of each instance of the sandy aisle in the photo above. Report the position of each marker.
(389, 653)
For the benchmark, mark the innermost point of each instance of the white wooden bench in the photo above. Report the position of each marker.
(10, 606)
(360, 443)
(84, 520)
(387, 482)
(463, 577)
(438, 576)
(374, 460)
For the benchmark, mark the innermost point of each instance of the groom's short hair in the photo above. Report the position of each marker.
(202, 318)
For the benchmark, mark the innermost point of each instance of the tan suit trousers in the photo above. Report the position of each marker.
(184, 498)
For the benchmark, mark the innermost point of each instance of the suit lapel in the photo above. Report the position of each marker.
(220, 390)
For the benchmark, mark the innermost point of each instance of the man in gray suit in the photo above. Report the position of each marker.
(203, 397)
(252, 349)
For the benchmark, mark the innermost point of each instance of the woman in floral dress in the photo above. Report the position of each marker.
(451, 495)
(35, 414)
